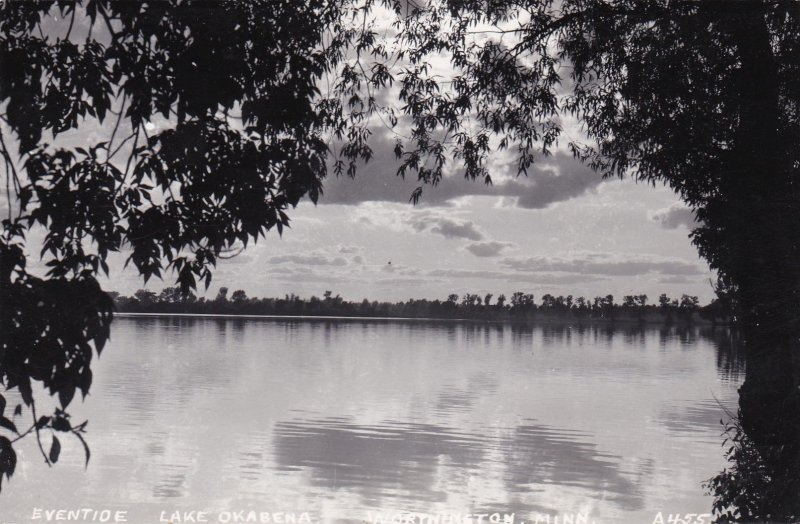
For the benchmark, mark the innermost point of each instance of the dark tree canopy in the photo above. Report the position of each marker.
(703, 96)
(172, 131)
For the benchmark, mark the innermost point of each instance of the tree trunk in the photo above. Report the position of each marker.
(763, 237)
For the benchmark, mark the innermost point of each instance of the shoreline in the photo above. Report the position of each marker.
(545, 319)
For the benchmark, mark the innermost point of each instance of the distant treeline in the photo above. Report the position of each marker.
(520, 307)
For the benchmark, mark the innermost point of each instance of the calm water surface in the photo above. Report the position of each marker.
(342, 418)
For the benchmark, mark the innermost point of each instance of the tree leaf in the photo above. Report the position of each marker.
(55, 450)
(65, 396)
(8, 459)
(85, 448)
(9, 425)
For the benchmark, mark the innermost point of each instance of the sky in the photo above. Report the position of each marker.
(562, 230)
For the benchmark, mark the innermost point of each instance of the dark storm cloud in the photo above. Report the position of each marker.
(488, 249)
(604, 264)
(551, 180)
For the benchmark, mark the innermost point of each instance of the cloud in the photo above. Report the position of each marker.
(312, 259)
(675, 216)
(401, 281)
(314, 277)
(283, 271)
(548, 187)
(445, 226)
(511, 276)
(488, 249)
(453, 229)
(605, 264)
(400, 269)
(550, 180)
(349, 250)
(677, 279)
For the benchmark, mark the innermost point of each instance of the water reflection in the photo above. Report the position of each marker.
(341, 417)
(537, 455)
(389, 459)
(393, 459)
(731, 354)
(171, 481)
(452, 399)
(703, 417)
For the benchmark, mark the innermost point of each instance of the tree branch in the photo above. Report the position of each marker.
(38, 436)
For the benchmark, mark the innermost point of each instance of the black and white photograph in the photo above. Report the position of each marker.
(399, 261)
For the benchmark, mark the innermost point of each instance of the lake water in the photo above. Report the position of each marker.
(343, 419)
